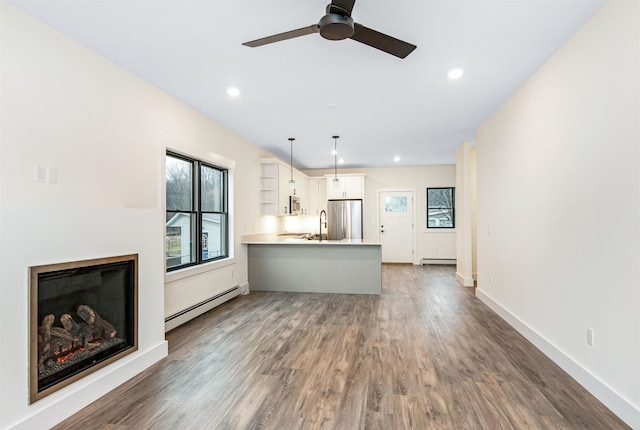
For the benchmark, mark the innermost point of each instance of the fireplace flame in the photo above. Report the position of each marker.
(90, 345)
(65, 357)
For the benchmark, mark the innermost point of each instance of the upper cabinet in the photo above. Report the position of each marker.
(317, 196)
(283, 191)
(349, 187)
(275, 188)
(301, 190)
(270, 199)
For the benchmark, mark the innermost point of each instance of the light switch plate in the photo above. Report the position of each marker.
(52, 175)
(40, 173)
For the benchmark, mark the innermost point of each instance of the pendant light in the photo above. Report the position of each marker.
(292, 183)
(336, 181)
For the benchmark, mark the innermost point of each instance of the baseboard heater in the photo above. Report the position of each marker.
(202, 304)
(438, 261)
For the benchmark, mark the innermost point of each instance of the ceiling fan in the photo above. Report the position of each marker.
(337, 24)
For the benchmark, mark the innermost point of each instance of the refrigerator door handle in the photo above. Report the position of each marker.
(344, 224)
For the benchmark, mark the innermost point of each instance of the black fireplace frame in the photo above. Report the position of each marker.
(35, 392)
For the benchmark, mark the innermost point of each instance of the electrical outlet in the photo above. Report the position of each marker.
(589, 337)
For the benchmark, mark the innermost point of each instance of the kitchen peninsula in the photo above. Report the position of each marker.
(288, 264)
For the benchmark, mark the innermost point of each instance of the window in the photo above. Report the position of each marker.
(441, 207)
(197, 218)
(395, 204)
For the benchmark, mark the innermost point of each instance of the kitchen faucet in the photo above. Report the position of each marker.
(325, 223)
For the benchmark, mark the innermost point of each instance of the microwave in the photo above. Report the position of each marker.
(294, 205)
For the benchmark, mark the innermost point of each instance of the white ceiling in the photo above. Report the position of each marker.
(310, 88)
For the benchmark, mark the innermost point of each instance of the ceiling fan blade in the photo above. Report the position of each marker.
(341, 7)
(283, 36)
(381, 41)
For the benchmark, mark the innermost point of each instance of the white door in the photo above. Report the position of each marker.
(396, 226)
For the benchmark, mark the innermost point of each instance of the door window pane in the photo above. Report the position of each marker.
(395, 204)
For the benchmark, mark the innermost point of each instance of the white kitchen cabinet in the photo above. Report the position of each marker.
(275, 189)
(284, 192)
(317, 196)
(302, 190)
(269, 188)
(274, 198)
(349, 187)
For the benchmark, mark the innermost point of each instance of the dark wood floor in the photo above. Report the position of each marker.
(425, 355)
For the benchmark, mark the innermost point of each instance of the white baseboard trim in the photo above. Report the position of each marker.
(180, 318)
(465, 282)
(618, 404)
(244, 289)
(90, 388)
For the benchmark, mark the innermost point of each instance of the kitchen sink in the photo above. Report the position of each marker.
(317, 236)
(295, 236)
(302, 236)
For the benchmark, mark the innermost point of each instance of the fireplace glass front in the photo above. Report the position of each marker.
(83, 317)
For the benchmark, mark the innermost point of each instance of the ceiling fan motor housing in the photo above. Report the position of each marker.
(334, 26)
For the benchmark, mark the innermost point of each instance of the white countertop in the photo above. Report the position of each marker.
(274, 239)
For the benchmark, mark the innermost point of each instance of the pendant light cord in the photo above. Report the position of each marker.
(291, 139)
(335, 158)
(335, 161)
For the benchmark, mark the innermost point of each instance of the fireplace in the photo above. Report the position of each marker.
(83, 317)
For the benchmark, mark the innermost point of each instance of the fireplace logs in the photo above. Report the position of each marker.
(44, 338)
(69, 324)
(101, 327)
(57, 344)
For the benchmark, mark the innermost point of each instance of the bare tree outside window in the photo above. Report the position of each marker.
(441, 207)
(211, 181)
(179, 184)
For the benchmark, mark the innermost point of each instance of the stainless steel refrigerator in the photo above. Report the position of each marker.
(344, 219)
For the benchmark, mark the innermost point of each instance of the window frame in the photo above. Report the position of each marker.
(452, 208)
(197, 213)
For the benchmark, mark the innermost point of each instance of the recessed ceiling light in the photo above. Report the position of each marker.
(334, 152)
(341, 161)
(455, 73)
(332, 105)
(396, 158)
(233, 91)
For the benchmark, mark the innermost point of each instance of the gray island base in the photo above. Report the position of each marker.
(315, 267)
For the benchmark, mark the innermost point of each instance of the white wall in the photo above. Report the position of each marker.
(105, 131)
(464, 211)
(559, 184)
(474, 212)
(435, 244)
